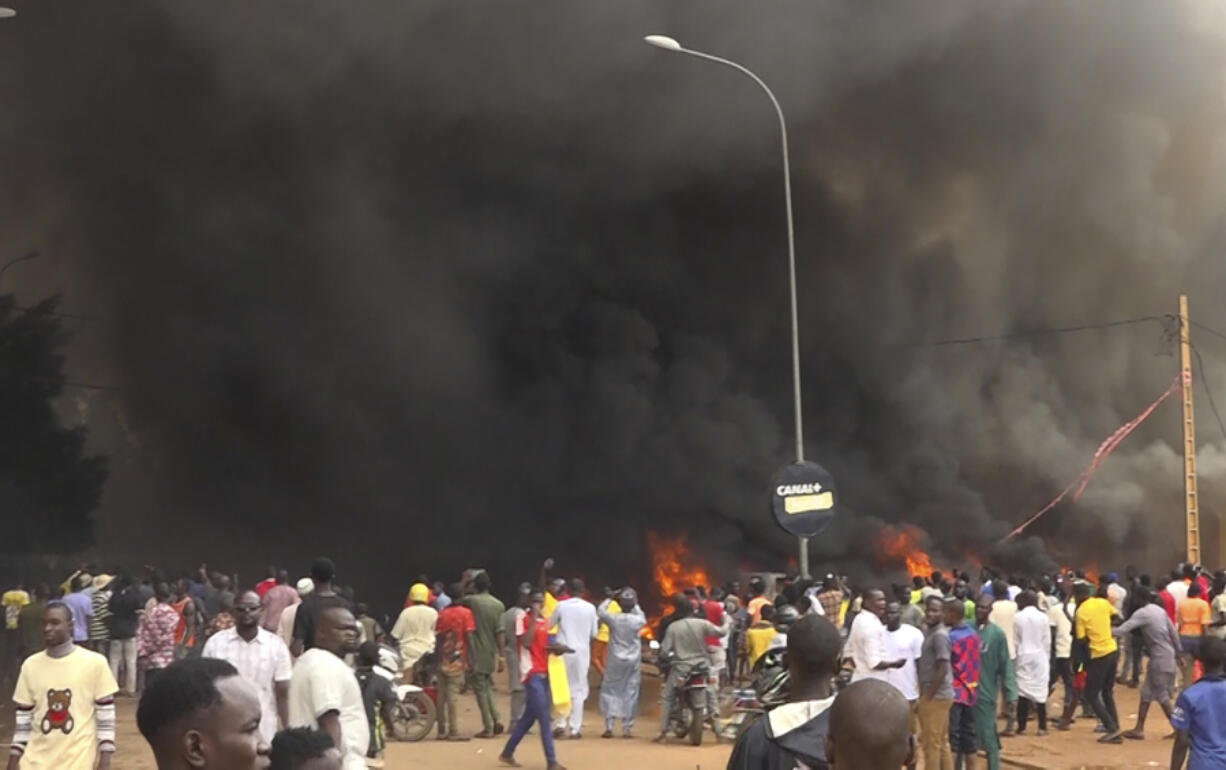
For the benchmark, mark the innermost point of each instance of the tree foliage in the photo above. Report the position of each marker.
(49, 487)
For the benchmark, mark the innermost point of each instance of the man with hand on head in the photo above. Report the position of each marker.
(324, 692)
(199, 714)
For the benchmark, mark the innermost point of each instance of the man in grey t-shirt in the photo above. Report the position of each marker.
(936, 688)
(1161, 641)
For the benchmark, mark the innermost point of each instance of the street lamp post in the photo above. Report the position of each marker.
(670, 44)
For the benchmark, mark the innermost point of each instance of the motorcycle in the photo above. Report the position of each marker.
(416, 709)
(688, 711)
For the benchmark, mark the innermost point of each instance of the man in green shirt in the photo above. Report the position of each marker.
(995, 672)
(487, 640)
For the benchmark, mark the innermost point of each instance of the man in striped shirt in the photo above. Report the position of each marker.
(100, 621)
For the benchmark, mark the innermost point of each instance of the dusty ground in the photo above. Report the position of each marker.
(1065, 751)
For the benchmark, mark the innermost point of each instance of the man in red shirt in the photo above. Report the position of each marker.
(453, 643)
(1168, 600)
(534, 645)
(266, 585)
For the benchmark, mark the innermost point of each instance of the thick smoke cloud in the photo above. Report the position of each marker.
(421, 285)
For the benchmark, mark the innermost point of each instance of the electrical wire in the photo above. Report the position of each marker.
(1209, 329)
(1200, 362)
(1042, 332)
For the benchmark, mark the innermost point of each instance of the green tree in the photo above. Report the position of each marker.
(49, 488)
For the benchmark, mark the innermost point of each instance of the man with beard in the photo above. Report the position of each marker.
(64, 703)
(866, 643)
(995, 676)
(619, 689)
(201, 715)
(260, 657)
(324, 693)
(794, 734)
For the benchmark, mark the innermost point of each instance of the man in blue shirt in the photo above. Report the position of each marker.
(1200, 713)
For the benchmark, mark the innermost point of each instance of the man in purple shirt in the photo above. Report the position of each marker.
(1200, 713)
(82, 606)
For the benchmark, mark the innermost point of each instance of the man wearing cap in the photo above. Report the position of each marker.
(416, 627)
(285, 626)
(82, 607)
(619, 689)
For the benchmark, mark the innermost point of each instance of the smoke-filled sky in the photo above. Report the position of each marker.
(426, 285)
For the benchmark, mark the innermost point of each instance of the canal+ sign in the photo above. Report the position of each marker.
(803, 498)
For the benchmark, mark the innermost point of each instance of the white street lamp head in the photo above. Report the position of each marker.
(663, 41)
(6, 13)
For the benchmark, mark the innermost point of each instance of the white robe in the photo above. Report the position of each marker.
(577, 626)
(1032, 640)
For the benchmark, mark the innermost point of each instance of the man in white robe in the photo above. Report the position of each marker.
(577, 627)
(623, 673)
(1032, 642)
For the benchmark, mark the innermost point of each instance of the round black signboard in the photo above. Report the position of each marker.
(803, 498)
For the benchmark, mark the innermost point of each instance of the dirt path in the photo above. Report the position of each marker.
(1060, 751)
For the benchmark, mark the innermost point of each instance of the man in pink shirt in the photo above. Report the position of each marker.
(279, 597)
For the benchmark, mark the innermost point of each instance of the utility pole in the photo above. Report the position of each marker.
(1191, 503)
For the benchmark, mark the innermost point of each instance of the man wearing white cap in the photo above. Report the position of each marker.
(285, 626)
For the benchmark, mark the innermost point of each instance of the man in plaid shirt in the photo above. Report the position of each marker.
(157, 634)
(964, 662)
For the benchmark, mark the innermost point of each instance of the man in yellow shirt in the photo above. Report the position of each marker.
(1093, 624)
(65, 703)
(600, 645)
(758, 636)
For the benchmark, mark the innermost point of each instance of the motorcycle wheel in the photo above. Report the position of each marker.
(698, 717)
(415, 717)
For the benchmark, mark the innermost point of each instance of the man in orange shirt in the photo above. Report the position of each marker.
(1194, 617)
(757, 599)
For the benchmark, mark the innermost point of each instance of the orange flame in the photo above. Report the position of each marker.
(674, 569)
(900, 544)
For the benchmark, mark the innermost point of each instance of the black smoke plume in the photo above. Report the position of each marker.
(427, 285)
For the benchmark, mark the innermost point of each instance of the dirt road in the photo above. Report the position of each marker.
(1060, 751)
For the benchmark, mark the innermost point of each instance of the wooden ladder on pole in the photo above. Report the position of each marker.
(1191, 505)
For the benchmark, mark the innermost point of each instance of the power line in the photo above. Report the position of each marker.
(1208, 390)
(1041, 332)
(1209, 329)
(90, 386)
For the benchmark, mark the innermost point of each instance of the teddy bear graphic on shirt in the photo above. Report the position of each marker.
(57, 716)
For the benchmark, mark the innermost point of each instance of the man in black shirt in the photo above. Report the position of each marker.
(125, 606)
(323, 597)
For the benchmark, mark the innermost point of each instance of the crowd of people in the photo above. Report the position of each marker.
(283, 673)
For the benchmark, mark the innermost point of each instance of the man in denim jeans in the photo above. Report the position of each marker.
(534, 646)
